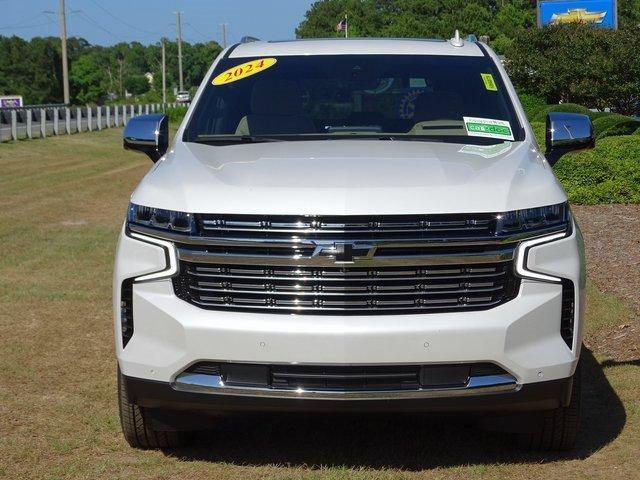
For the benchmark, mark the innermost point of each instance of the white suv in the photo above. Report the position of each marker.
(351, 225)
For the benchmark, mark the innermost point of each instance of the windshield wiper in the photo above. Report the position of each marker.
(411, 138)
(230, 139)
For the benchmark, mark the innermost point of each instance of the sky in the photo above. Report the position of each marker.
(105, 22)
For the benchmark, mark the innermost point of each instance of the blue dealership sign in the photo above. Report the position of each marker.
(599, 13)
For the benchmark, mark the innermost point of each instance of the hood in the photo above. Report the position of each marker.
(349, 177)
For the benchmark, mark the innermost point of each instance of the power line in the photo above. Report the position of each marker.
(137, 29)
(88, 19)
(20, 24)
(28, 26)
(198, 32)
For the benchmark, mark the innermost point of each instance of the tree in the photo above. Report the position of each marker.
(420, 18)
(578, 64)
(136, 84)
(87, 78)
(33, 68)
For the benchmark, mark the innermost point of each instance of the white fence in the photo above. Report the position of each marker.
(46, 121)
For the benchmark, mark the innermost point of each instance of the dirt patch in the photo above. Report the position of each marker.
(620, 344)
(612, 240)
(612, 243)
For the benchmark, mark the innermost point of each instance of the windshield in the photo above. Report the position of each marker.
(455, 99)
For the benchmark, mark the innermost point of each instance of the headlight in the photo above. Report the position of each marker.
(549, 218)
(161, 219)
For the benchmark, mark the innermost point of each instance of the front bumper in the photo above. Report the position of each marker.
(534, 397)
(522, 336)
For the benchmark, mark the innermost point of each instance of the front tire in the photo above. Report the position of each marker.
(558, 428)
(137, 430)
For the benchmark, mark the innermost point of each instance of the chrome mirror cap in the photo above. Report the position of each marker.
(567, 132)
(148, 134)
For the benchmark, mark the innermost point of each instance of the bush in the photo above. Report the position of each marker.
(614, 124)
(595, 115)
(610, 173)
(541, 115)
(539, 130)
(176, 114)
(532, 104)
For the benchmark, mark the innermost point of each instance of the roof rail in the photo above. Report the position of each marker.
(248, 39)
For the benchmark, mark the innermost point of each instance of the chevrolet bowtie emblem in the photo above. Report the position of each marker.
(577, 15)
(344, 252)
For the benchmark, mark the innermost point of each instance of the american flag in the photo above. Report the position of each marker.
(342, 25)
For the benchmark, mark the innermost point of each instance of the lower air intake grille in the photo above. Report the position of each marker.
(396, 377)
(346, 377)
(568, 312)
(126, 311)
(346, 290)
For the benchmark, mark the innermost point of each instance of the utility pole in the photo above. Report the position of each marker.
(63, 40)
(179, 51)
(120, 60)
(223, 27)
(164, 75)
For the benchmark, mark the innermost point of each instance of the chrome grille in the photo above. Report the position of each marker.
(344, 264)
(346, 289)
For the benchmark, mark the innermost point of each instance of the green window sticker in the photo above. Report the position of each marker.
(488, 127)
(489, 82)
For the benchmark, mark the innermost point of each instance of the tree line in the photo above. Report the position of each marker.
(97, 74)
(575, 63)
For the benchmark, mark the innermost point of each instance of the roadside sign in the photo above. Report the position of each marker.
(599, 13)
(10, 101)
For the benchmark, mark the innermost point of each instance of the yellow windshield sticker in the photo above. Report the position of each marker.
(489, 82)
(244, 70)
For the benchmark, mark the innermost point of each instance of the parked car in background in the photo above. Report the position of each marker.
(351, 226)
(183, 97)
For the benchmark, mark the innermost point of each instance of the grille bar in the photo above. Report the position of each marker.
(301, 260)
(329, 225)
(363, 290)
(348, 290)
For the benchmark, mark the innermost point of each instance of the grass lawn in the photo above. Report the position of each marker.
(63, 202)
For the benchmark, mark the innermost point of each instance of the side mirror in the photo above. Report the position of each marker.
(567, 132)
(148, 134)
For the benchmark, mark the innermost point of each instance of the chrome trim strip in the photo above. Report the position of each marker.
(329, 261)
(298, 241)
(295, 306)
(343, 292)
(346, 278)
(322, 226)
(214, 384)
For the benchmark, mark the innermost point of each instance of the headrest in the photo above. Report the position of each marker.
(276, 97)
(438, 106)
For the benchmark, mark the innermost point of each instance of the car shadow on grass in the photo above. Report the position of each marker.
(399, 441)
